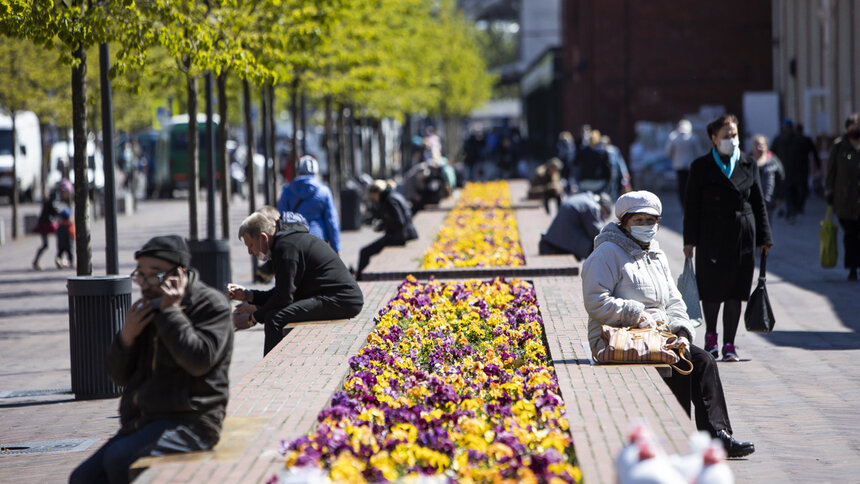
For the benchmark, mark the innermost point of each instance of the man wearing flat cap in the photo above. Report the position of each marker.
(172, 356)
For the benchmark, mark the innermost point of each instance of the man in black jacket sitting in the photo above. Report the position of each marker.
(311, 281)
(172, 356)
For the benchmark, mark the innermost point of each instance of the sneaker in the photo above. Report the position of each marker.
(711, 344)
(729, 353)
(59, 263)
(36, 266)
(735, 449)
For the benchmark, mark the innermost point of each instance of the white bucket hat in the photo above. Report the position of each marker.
(638, 202)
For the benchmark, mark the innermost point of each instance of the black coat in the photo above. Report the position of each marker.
(305, 267)
(726, 220)
(178, 365)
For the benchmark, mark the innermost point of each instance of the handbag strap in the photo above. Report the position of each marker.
(682, 348)
(762, 272)
(828, 214)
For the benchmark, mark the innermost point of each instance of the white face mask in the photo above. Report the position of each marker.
(728, 146)
(643, 233)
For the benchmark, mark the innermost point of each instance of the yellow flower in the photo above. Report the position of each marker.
(347, 468)
(499, 451)
(385, 464)
(555, 440)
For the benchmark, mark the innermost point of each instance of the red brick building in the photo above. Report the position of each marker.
(623, 61)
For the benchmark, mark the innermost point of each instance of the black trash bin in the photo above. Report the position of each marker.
(97, 309)
(211, 258)
(350, 207)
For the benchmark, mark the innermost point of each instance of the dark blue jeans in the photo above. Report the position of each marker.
(111, 462)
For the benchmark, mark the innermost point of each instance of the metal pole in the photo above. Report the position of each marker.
(107, 148)
(210, 162)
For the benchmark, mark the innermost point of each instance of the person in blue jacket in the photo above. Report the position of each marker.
(308, 196)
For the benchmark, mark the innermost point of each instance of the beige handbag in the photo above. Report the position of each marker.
(643, 345)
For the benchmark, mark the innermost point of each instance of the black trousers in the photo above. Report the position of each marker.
(317, 308)
(374, 248)
(851, 241)
(704, 390)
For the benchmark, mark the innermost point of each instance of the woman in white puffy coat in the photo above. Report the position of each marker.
(626, 281)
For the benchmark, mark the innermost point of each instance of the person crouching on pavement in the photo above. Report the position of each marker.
(311, 281)
(578, 221)
(172, 356)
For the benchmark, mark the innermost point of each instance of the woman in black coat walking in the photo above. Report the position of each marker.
(725, 217)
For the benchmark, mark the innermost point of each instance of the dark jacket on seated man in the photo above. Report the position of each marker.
(311, 284)
(179, 365)
(173, 358)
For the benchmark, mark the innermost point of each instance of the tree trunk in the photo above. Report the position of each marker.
(380, 137)
(276, 166)
(264, 131)
(303, 121)
(250, 176)
(350, 162)
(15, 190)
(83, 242)
(193, 156)
(340, 160)
(333, 168)
(223, 165)
(406, 145)
(294, 118)
(366, 165)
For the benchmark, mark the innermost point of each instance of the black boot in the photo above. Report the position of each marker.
(852, 274)
(733, 447)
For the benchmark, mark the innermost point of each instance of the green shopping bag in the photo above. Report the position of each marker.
(828, 251)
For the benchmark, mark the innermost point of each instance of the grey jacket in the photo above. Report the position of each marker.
(620, 281)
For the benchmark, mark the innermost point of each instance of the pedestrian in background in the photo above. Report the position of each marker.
(788, 146)
(771, 173)
(682, 147)
(65, 237)
(395, 221)
(725, 219)
(842, 190)
(47, 222)
(619, 182)
(593, 166)
(565, 150)
(545, 183)
(311, 198)
(811, 165)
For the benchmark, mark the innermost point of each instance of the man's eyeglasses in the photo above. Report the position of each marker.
(153, 280)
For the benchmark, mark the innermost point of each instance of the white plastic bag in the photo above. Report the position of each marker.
(690, 292)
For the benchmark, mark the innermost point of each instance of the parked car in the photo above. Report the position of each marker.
(28, 163)
(62, 156)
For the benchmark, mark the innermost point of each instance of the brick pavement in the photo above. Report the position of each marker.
(34, 343)
(794, 397)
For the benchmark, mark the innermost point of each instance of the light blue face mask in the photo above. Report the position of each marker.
(644, 233)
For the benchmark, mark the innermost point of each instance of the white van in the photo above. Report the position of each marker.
(62, 157)
(29, 160)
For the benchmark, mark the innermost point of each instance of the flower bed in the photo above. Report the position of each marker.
(455, 382)
(477, 233)
(494, 194)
